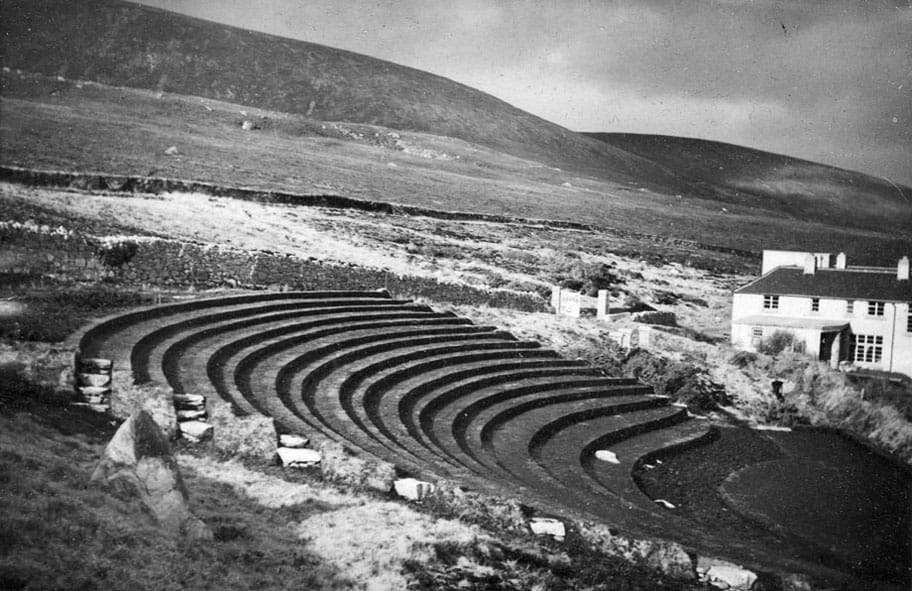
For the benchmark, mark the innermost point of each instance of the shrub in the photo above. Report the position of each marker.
(743, 359)
(682, 382)
(118, 253)
(632, 303)
(587, 278)
(665, 298)
(696, 301)
(776, 343)
(660, 318)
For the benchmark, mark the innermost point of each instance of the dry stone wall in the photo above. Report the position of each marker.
(44, 252)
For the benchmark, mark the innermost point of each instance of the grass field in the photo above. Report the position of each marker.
(72, 126)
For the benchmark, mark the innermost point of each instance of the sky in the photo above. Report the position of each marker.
(826, 80)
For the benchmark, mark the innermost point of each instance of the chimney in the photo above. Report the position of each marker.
(902, 269)
(841, 260)
(810, 264)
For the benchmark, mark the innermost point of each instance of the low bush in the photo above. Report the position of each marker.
(665, 298)
(659, 318)
(682, 382)
(587, 278)
(696, 301)
(743, 359)
(821, 396)
(633, 304)
(776, 343)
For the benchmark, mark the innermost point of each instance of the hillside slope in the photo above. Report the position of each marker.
(123, 44)
(772, 181)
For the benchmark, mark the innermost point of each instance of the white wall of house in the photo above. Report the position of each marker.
(892, 327)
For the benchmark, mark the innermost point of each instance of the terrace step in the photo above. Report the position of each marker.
(412, 363)
(636, 450)
(554, 452)
(104, 336)
(266, 357)
(320, 406)
(440, 417)
(147, 353)
(385, 396)
(186, 362)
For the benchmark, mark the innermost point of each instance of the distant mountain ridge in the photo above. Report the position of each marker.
(124, 44)
(792, 185)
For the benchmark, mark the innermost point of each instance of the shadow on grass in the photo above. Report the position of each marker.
(60, 531)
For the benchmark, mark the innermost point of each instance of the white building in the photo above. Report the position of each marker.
(857, 316)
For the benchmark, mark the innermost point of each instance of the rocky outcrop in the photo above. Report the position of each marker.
(340, 466)
(139, 455)
(252, 437)
(667, 557)
(156, 399)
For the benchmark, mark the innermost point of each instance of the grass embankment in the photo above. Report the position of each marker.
(817, 395)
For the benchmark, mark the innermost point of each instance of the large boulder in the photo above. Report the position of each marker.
(666, 557)
(338, 465)
(139, 455)
(155, 399)
(251, 437)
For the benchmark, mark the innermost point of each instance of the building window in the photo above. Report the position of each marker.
(867, 348)
(875, 308)
(815, 304)
(770, 302)
(756, 335)
(909, 319)
(850, 307)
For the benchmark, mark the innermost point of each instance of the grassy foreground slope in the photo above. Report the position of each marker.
(123, 44)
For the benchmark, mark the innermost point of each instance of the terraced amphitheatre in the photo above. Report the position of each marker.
(437, 396)
(431, 392)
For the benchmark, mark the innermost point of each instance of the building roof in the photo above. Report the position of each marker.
(821, 324)
(832, 283)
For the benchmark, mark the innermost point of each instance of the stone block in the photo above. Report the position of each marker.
(195, 431)
(294, 457)
(156, 399)
(607, 456)
(190, 401)
(725, 575)
(139, 455)
(190, 415)
(546, 526)
(93, 379)
(412, 489)
(293, 441)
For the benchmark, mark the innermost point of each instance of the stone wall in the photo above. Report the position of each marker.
(41, 251)
(29, 249)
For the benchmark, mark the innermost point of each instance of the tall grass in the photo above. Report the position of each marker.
(824, 397)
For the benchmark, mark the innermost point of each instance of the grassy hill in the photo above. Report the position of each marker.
(123, 44)
(791, 185)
